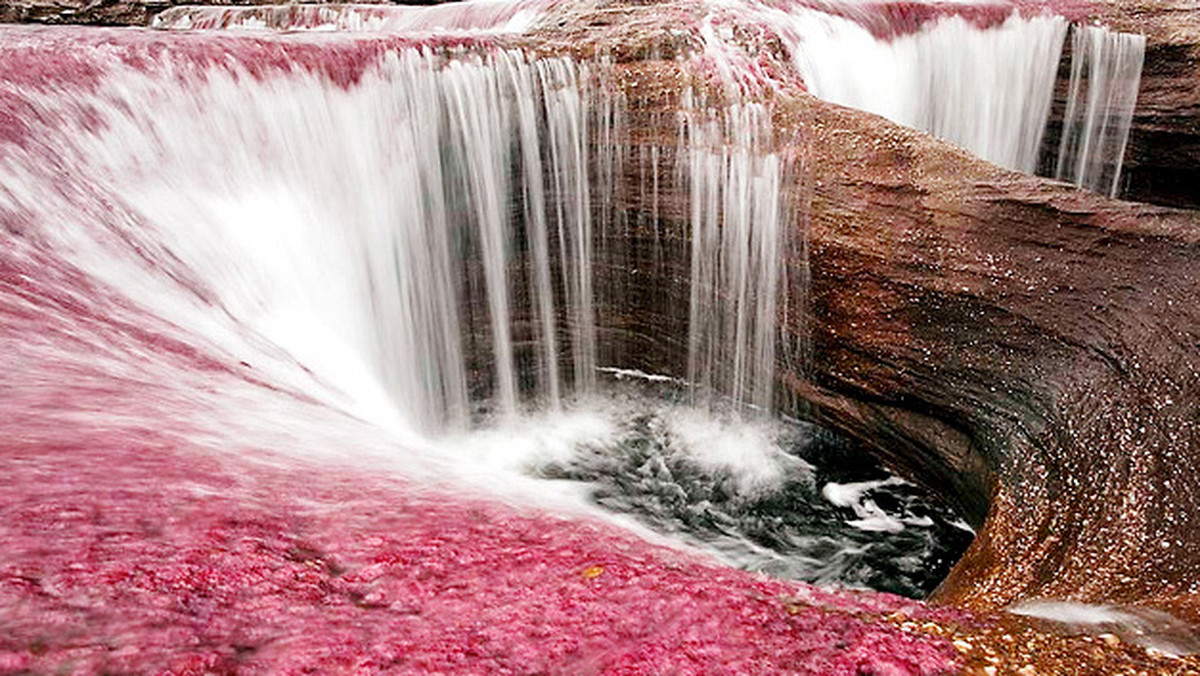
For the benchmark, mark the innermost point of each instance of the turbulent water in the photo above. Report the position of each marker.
(346, 238)
(781, 497)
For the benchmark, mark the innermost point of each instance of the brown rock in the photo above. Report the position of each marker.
(1027, 349)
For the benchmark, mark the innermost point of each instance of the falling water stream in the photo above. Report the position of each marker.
(413, 239)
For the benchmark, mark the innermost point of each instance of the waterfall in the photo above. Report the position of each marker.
(444, 252)
(1106, 68)
(987, 90)
(385, 271)
(983, 83)
(737, 244)
(247, 275)
(975, 76)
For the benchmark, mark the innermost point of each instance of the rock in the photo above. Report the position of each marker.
(1025, 342)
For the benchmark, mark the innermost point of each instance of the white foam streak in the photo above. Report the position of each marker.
(1142, 626)
(870, 516)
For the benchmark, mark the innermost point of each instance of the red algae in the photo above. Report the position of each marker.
(133, 558)
(42, 57)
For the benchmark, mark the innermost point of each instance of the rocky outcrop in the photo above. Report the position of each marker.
(993, 320)
(1027, 349)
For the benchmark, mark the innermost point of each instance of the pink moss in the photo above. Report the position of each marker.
(53, 57)
(136, 558)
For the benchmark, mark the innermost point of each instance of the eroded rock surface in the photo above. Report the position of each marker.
(1025, 347)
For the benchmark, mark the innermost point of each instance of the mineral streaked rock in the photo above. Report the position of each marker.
(1048, 330)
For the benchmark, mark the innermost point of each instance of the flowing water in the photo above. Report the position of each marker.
(342, 238)
(988, 91)
(1106, 68)
(980, 76)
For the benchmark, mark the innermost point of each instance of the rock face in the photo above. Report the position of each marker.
(1027, 349)
(1011, 324)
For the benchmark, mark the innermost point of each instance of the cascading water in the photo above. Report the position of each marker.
(410, 233)
(385, 257)
(982, 77)
(987, 90)
(738, 232)
(1106, 68)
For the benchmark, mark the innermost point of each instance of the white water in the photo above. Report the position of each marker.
(737, 247)
(870, 516)
(334, 249)
(420, 240)
(372, 262)
(1106, 68)
(988, 91)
